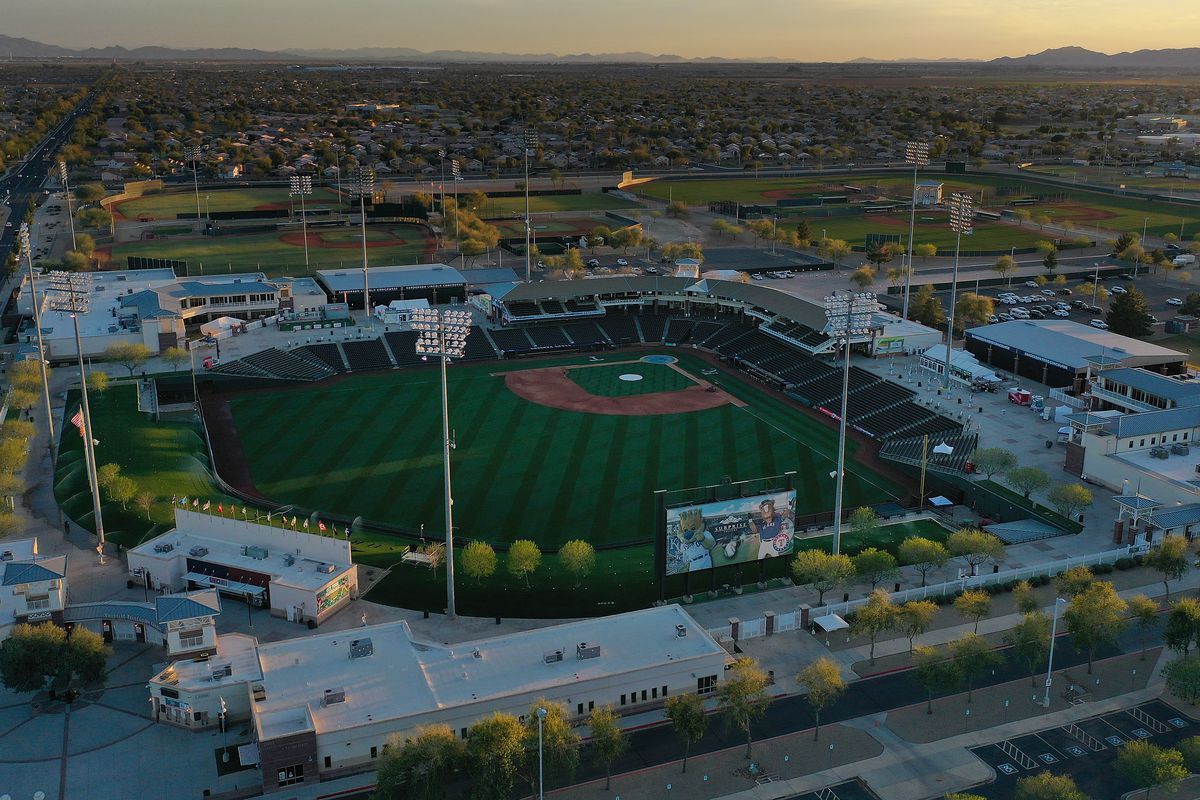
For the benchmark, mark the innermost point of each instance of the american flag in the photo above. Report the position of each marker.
(77, 421)
(321, 525)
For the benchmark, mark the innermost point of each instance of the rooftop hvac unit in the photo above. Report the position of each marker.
(680, 631)
(585, 650)
(326, 568)
(1179, 449)
(288, 559)
(7, 555)
(259, 693)
(198, 551)
(254, 551)
(552, 656)
(225, 671)
(361, 648)
(165, 547)
(332, 696)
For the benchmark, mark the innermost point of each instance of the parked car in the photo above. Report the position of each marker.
(1125, 276)
(1006, 317)
(1116, 290)
(1078, 304)
(622, 262)
(1099, 323)
(1035, 314)
(1174, 301)
(1031, 284)
(1048, 292)
(1061, 313)
(593, 262)
(1065, 291)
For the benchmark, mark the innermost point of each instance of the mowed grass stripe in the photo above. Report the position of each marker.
(604, 494)
(571, 483)
(498, 482)
(653, 477)
(532, 483)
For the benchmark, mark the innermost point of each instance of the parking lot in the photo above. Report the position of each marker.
(851, 790)
(1085, 750)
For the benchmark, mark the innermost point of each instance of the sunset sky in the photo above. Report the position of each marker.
(801, 30)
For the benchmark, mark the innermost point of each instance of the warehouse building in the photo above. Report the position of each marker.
(328, 703)
(438, 283)
(299, 576)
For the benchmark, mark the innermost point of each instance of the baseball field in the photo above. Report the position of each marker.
(282, 252)
(931, 227)
(170, 204)
(515, 206)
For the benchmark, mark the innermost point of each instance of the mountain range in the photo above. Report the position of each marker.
(1057, 58)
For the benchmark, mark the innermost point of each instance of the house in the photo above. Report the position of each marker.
(33, 587)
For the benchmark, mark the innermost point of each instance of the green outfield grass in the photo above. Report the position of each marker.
(515, 206)
(606, 381)
(169, 204)
(931, 227)
(549, 226)
(328, 248)
(1116, 177)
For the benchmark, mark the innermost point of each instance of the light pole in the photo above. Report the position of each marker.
(365, 185)
(62, 174)
(456, 176)
(1058, 601)
(193, 155)
(443, 335)
(337, 168)
(442, 185)
(848, 315)
(541, 715)
(1138, 261)
(26, 250)
(531, 142)
(70, 292)
(961, 214)
(302, 185)
(917, 154)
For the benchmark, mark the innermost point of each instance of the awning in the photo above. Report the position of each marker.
(830, 623)
(940, 501)
(224, 585)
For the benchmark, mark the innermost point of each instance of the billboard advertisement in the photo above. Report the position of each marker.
(707, 535)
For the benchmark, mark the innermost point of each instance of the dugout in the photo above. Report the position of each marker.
(440, 284)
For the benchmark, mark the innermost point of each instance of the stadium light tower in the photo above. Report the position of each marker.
(337, 169)
(193, 155)
(962, 211)
(917, 154)
(26, 250)
(442, 186)
(442, 334)
(848, 315)
(62, 176)
(456, 175)
(302, 185)
(531, 143)
(364, 186)
(71, 293)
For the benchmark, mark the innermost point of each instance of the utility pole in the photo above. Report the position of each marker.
(531, 141)
(26, 249)
(917, 154)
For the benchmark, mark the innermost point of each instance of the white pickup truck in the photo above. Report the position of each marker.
(1185, 260)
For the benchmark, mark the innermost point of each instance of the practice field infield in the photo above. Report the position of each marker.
(515, 206)
(169, 204)
(282, 252)
(931, 227)
(550, 226)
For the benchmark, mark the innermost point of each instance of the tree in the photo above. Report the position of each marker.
(1170, 559)
(974, 308)
(145, 501)
(1095, 617)
(174, 356)
(1183, 625)
(107, 475)
(1149, 766)
(742, 696)
(834, 250)
(1030, 641)
(822, 571)
(914, 618)
(974, 604)
(75, 261)
(936, 672)
(823, 684)
(926, 308)
(418, 765)
(877, 616)
(686, 712)
(578, 558)
(130, 355)
(925, 250)
(122, 490)
(1190, 748)
(560, 741)
(1144, 611)
(34, 654)
(495, 756)
(1050, 260)
(760, 229)
(676, 209)
(1074, 581)
(1028, 480)
(523, 559)
(1004, 267)
(1183, 679)
(879, 254)
(874, 565)
(973, 656)
(862, 278)
(975, 547)
(1070, 499)
(556, 177)
(478, 561)
(924, 554)
(1048, 786)
(677, 250)
(85, 244)
(89, 192)
(1127, 314)
(991, 460)
(1191, 304)
(97, 381)
(608, 740)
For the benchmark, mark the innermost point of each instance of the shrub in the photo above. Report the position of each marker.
(1124, 563)
(1102, 569)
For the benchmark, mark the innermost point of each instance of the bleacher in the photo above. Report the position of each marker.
(548, 337)
(403, 345)
(240, 369)
(678, 331)
(653, 324)
(552, 307)
(904, 420)
(704, 329)
(366, 355)
(523, 308)
(729, 333)
(328, 354)
(584, 334)
(278, 364)
(511, 340)
(619, 328)
(581, 305)
(478, 346)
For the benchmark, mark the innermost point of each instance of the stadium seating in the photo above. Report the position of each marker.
(550, 337)
(403, 347)
(584, 334)
(478, 345)
(523, 308)
(576, 306)
(278, 364)
(652, 324)
(704, 329)
(619, 328)
(365, 355)
(552, 307)
(726, 335)
(329, 354)
(678, 331)
(511, 340)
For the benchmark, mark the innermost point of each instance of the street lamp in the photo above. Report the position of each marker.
(364, 186)
(541, 715)
(1058, 602)
(917, 154)
(531, 143)
(302, 185)
(62, 175)
(193, 155)
(70, 292)
(961, 213)
(443, 335)
(27, 251)
(848, 315)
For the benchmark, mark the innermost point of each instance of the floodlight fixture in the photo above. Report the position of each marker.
(962, 213)
(917, 154)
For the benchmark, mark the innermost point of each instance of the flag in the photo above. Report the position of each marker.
(207, 505)
(183, 502)
(77, 421)
(243, 512)
(293, 521)
(306, 523)
(321, 525)
(220, 508)
(224, 709)
(196, 503)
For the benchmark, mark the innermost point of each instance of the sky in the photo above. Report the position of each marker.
(799, 30)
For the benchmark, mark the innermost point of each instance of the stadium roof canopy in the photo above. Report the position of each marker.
(1070, 344)
(403, 277)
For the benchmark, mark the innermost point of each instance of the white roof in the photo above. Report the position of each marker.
(404, 677)
(238, 651)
